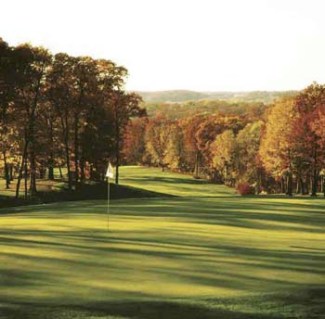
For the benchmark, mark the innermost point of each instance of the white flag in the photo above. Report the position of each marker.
(110, 172)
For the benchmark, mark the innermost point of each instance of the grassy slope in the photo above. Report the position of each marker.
(205, 254)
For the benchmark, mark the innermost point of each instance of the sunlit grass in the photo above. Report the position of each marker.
(155, 179)
(193, 256)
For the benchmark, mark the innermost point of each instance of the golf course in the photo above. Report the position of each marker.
(195, 250)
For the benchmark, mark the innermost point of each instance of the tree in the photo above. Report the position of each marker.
(125, 106)
(7, 91)
(206, 134)
(223, 156)
(248, 162)
(192, 153)
(307, 104)
(157, 138)
(277, 150)
(31, 73)
(318, 126)
(60, 88)
(175, 154)
(133, 141)
(63, 110)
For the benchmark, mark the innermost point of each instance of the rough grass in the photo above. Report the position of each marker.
(205, 254)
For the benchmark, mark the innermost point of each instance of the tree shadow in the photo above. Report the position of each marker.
(125, 309)
(192, 256)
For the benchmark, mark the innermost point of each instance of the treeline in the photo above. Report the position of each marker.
(233, 97)
(280, 148)
(187, 109)
(60, 111)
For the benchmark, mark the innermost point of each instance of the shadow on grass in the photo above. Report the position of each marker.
(169, 180)
(119, 310)
(94, 253)
(235, 212)
(99, 252)
(305, 304)
(85, 192)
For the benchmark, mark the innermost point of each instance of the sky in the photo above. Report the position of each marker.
(201, 45)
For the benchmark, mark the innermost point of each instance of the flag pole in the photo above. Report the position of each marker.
(108, 196)
(109, 174)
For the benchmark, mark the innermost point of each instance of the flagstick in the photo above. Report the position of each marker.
(108, 195)
(109, 174)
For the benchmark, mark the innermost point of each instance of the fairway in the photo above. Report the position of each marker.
(204, 253)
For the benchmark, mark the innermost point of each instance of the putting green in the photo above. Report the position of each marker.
(207, 253)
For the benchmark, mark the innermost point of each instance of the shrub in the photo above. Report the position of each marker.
(245, 189)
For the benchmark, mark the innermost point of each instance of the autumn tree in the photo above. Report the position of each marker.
(60, 93)
(134, 143)
(191, 152)
(277, 150)
(125, 107)
(7, 92)
(318, 127)
(223, 151)
(157, 138)
(307, 104)
(32, 65)
(175, 154)
(248, 162)
(207, 132)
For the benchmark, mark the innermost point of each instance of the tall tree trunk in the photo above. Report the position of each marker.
(91, 172)
(289, 184)
(11, 168)
(32, 187)
(196, 165)
(60, 172)
(25, 177)
(117, 147)
(51, 167)
(306, 183)
(298, 185)
(65, 130)
(22, 166)
(76, 148)
(76, 135)
(6, 167)
(117, 150)
(67, 158)
(31, 135)
(314, 176)
(258, 181)
(302, 186)
(82, 168)
(51, 155)
(314, 182)
(282, 184)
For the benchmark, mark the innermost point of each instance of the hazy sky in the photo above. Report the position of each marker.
(203, 45)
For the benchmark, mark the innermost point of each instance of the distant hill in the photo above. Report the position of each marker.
(172, 96)
(184, 95)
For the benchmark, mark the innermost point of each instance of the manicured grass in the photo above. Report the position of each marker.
(205, 254)
(154, 179)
